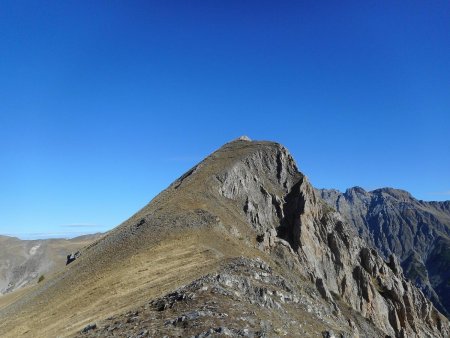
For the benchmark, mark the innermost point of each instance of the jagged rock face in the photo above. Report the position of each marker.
(418, 232)
(330, 255)
(258, 181)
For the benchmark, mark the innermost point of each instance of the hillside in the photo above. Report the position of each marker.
(22, 262)
(241, 245)
(394, 222)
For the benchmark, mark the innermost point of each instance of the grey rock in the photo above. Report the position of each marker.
(89, 327)
(225, 331)
(329, 334)
(73, 256)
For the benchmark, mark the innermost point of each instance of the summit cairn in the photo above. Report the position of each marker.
(244, 138)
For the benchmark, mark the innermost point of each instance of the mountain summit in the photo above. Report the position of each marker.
(240, 245)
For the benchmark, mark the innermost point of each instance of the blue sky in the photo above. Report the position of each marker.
(103, 104)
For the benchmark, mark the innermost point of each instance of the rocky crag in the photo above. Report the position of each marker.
(271, 259)
(394, 222)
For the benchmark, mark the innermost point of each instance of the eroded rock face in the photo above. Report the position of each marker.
(259, 181)
(274, 196)
(417, 232)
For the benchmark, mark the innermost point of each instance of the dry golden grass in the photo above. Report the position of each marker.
(118, 287)
(10, 298)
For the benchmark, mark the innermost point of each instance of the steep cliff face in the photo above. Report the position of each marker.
(394, 222)
(283, 207)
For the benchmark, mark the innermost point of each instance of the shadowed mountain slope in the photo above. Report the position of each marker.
(241, 245)
(394, 222)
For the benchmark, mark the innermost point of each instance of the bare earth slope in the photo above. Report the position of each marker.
(241, 245)
(418, 232)
(23, 261)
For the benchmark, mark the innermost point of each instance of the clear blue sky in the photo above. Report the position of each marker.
(104, 103)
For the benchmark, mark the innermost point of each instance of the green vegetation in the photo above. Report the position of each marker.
(377, 285)
(41, 278)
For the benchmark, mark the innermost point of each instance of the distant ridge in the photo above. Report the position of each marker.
(394, 222)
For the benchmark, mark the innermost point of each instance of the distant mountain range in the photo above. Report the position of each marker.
(394, 222)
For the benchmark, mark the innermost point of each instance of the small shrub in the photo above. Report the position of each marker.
(41, 278)
(377, 285)
(336, 295)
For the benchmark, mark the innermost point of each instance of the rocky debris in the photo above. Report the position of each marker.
(246, 298)
(140, 223)
(73, 256)
(417, 232)
(89, 327)
(223, 331)
(329, 334)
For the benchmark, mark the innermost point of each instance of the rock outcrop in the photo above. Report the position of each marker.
(72, 257)
(393, 222)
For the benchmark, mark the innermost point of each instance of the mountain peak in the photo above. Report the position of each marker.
(246, 199)
(357, 190)
(396, 193)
